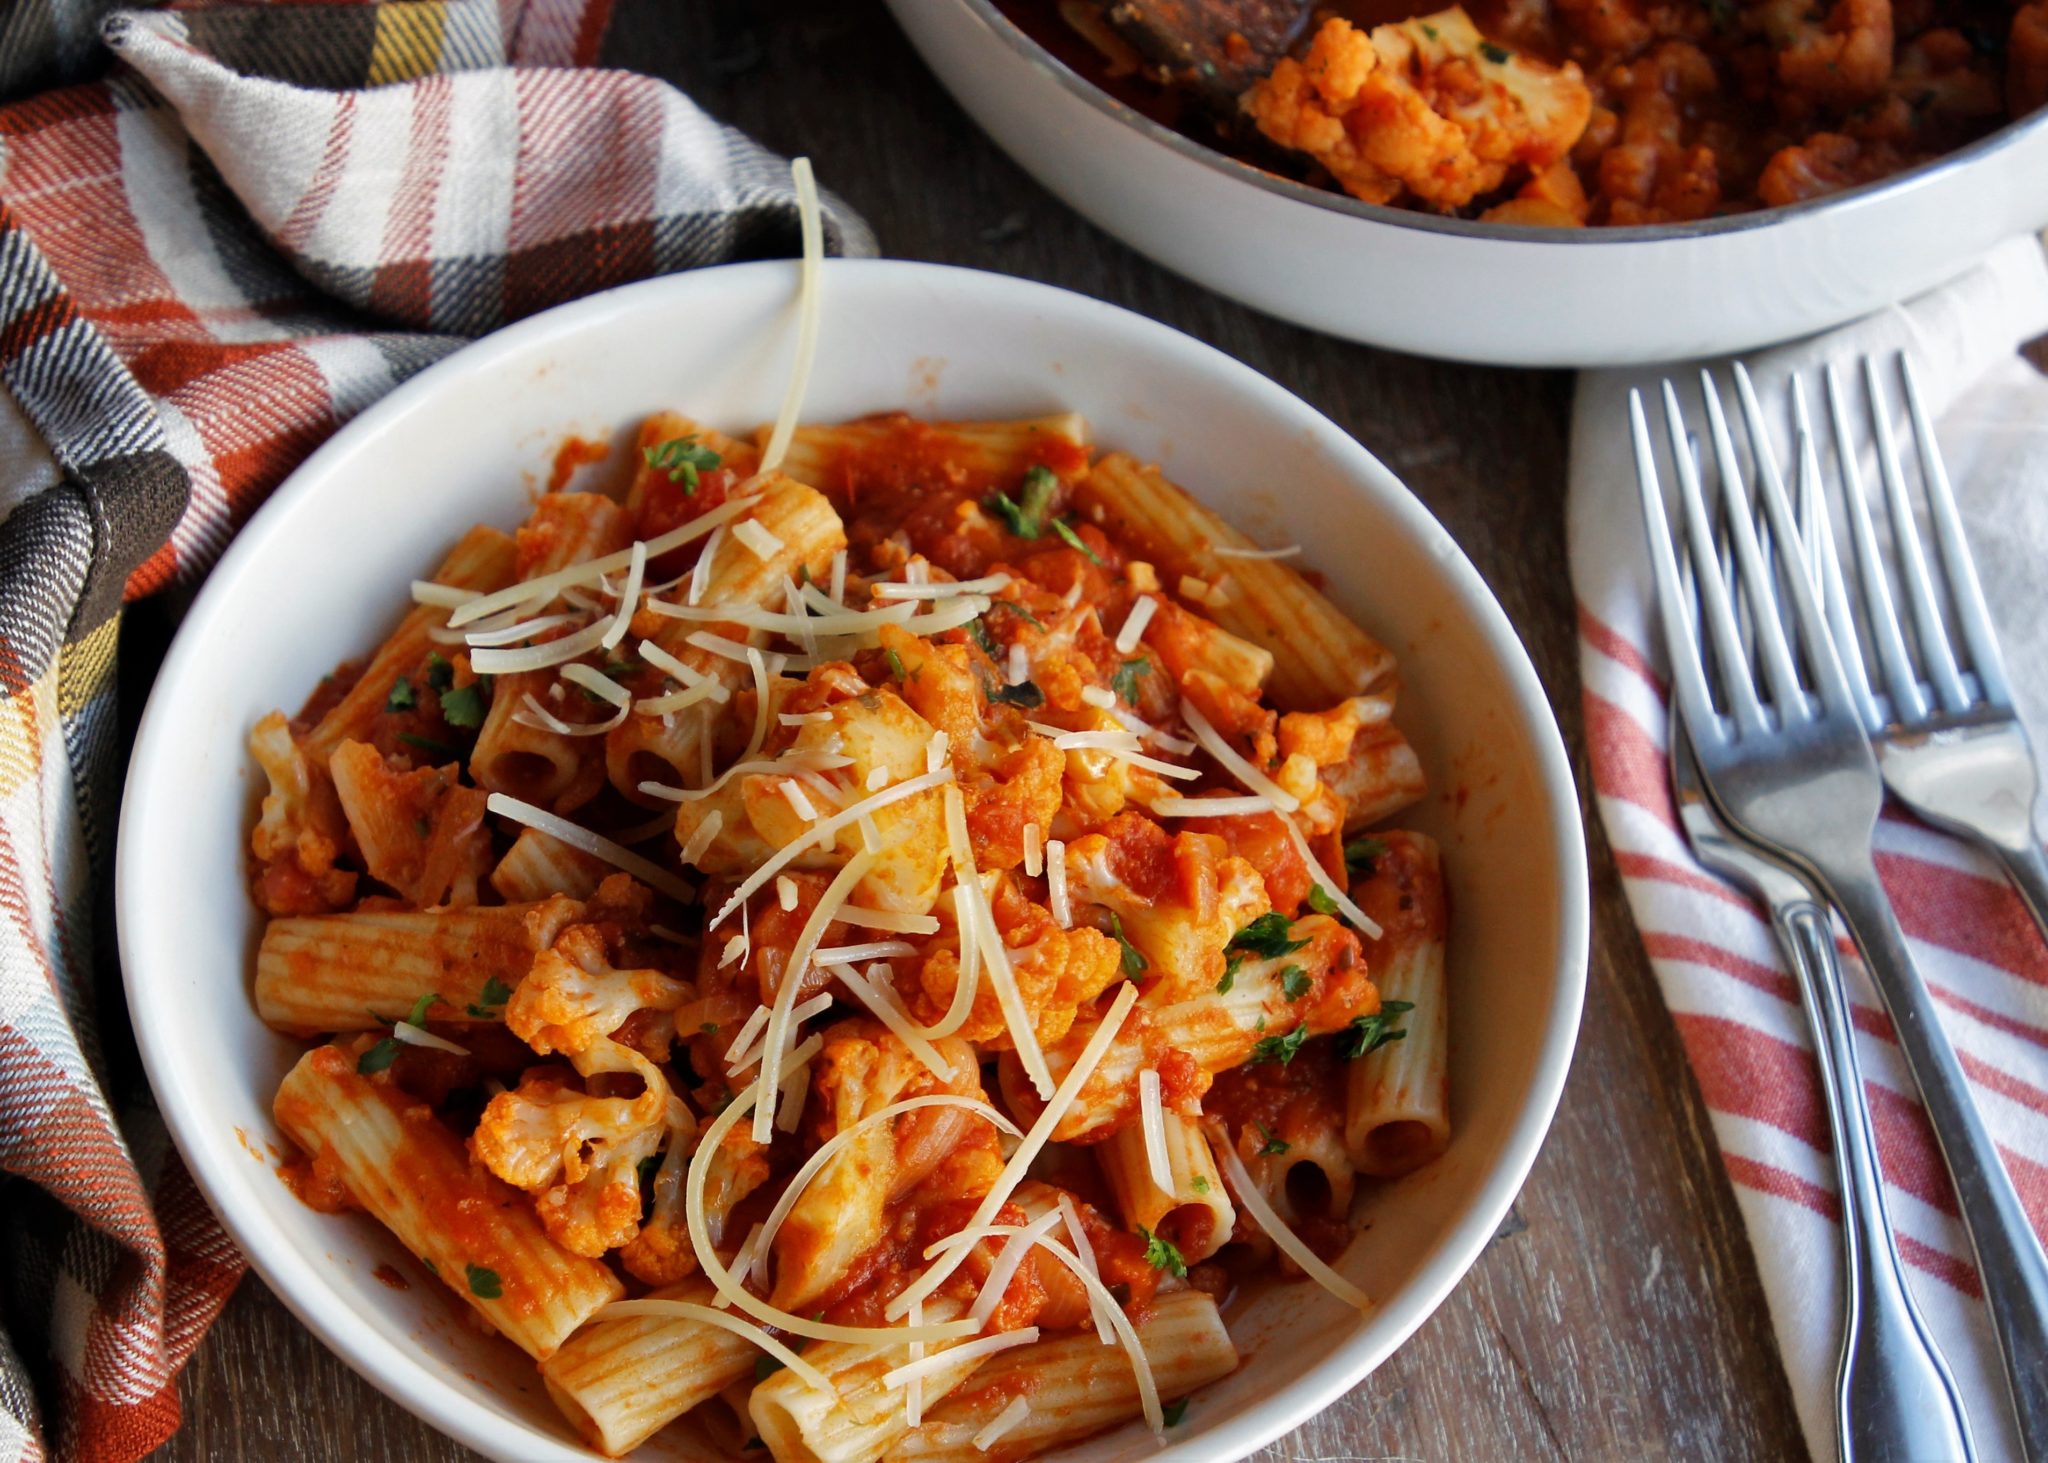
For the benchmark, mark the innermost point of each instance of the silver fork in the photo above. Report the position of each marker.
(1793, 773)
(1894, 1396)
(1948, 741)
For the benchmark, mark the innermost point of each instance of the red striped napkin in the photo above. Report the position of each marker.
(1731, 996)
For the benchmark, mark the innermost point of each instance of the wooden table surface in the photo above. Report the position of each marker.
(1617, 1315)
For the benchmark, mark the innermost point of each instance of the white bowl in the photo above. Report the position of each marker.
(1495, 293)
(320, 573)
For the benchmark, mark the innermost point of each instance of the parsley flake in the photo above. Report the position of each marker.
(1295, 982)
(1020, 612)
(491, 999)
(1265, 937)
(1229, 975)
(682, 458)
(418, 1014)
(440, 751)
(440, 674)
(1163, 1254)
(895, 664)
(982, 638)
(1367, 1034)
(1273, 1147)
(1495, 54)
(483, 1283)
(1074, 540)
(1360, 854)
(1125, 681)
(1026, 517)
(401, 697)
(1134, 960)
(464, 708)
(1320, 900)
(377, 1058)
(1279, 1049)
(1173, 1412)
(1200, 1185)
(709, 1028)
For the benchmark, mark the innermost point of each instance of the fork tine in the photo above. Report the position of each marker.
(1932, 634)
(1827, 565)
(1688, 674)
(1720, 614)
(1829, 681)
(1908, 704)
(1973, 616)
(1749, 555)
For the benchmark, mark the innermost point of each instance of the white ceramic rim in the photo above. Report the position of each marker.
(1007, 32)
(290, 1272)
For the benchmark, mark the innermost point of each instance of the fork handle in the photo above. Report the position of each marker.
(1894, 1398)
(2010, 1262)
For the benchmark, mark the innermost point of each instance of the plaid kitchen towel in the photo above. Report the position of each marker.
(1732, 998)
(261, 219)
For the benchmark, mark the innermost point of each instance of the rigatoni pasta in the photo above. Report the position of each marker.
(870, 945)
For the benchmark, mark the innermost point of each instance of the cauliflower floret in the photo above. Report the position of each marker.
(1843, 60)
(843, 1211)
(421, 832)
(1058, 971)
(301, 831)
(573, 998)
(1652, 174)
(1826, 162)
(1427, 107)
(601, 1210)
(1177, 897)
(537, 1134)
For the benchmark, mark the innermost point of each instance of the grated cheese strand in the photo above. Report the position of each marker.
(893, 589)
(413, 1035)
(1056, 883)
(1134, 625)
(888, 919)
(1289, 551)
(779, 1020)
(757, 539)
(596, 845)
(1152, 1121)
(1290, 1243)
(1006, 1262)
(1084, 1249)
(1174, 807)
(1004, 1423)
(538, 657)
(995, 957)
(1034, 850)
(971, 1351)
(808, 283)
(879, 998)
(1233, 762)
(1345, 906)
(598, 684)
(629, 596)
(441, 596)
(706, 834)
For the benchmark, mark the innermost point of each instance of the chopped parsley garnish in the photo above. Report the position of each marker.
(1495, 54)
(377, 1058)
(423, 825)
(682, 458)
(483, 1283)
(1429, 30)
(440, 674)
(1020, 612)
(895, 664)
(464, 708)
(1125, 681)
(1320, 901)
(491, 999)
(620, 670)
(1279, 1049)
(765, 1366)
(1074, 540)
(1134, 960)
(1273, 1147)
(1368, 1034)
(401, 697)
(1265, 937)
(1163, 1254)
(647, 1168)
(1025, 694)
(1295, 982)
(441, 751)
(1173, 1412)
(1360, 853)
(418, 1015)
(1229, 975)
(1200, 1185)
(1026, 517)
(709, 1028)
(982, 638)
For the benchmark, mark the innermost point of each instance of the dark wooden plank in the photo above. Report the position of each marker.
(1618, 1314)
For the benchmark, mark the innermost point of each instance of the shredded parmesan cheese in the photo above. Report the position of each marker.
(1034, 850)
(871, 950)
(779, 1023)
(513, 633)
(1084, 1250)
(812, 224)
(1226, 552)
(413, 1035)
(1019, 669)
(756, 539)
(625, 1310)
(1172, 807)
(785, 891)
(894, 590)
(798, 800)
(597, 846)
(803, 718)
(1290, 1243)
(1056, 883)
(740, 1055)
(1134, 625)
(442, 596)
(1212, 742)
(878, 778)
(971, 1351)
(597, 683)
(538, 657)
(533, 714)
(1007, 1260)
(700, 572)
(629, 596)
(888, 919)
(1002, 1424)
(1099, 696)
(879, 996)
(1365, 922)
(662, 661)
(1152, 1122)
(839, 576)
(994, 956)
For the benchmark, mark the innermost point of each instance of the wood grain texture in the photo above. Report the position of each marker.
(1618, 1314)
